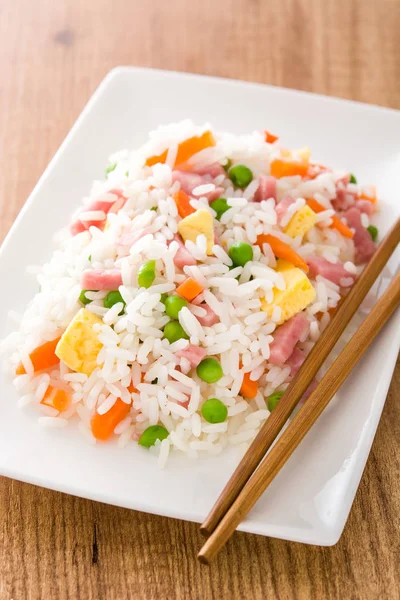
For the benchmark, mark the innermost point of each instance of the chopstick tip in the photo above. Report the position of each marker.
(205, 531)
(203, 558)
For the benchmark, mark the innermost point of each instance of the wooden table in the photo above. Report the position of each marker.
(53, 55)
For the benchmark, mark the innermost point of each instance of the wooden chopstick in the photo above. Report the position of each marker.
(301, 381)
(304, 420)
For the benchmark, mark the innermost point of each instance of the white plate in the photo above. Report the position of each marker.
(310, 499)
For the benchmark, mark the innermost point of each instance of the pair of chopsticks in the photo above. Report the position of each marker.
(251, 478)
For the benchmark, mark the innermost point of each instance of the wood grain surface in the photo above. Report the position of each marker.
(53, 55)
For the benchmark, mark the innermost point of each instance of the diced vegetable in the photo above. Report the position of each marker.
(373, 232)
(182, 201)
(240, 175)
(220, 205)
(286, 168)
(336, 222)
(43, 357)
(214, 411)
(110, 168)
(209, 370)
(103, 425)
(368, 193)
(186, 149)
(189, 289)
(341, 227)
(82, 297)
(249, 387)
(240, 253)
(283, 251)
(173, 305)
(352, 178)
(273, 400)
(56, 398)
(270, 138)
(113, 298)
(152, 434)
(173, 331)
(147, 274)
(132, 389)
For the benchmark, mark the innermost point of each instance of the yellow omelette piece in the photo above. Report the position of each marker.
(299, 292)
(304, 153)
(286, 153)
(301, 222)
(79, 345)
(199, 222)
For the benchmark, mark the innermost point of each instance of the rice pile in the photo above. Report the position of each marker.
(134, 351)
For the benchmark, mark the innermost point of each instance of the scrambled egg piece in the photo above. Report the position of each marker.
(285, 153)
(304, 153)
(301, 222)
(299, 292)
(200, 222)
(79, 344)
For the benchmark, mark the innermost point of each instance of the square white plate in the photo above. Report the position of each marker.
(310, 499)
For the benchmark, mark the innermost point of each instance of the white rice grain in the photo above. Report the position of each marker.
(196, 425)
(107, 404)
(164, 452)
(92, 215)
(350, 267)
(238, 408)
(201, 190)
(190, 324)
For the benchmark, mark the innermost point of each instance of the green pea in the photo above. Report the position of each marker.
(152, 434)
(373, 232)
(173, 331)
(352, 178)
(110, 168)
(83, 298)
(112, 298)
(214, 411)
(163, 298)
(209, 370)
(228, 164)
(273, 400)
(240, 176)
(147, 274)
(173, 304)
(220, 205)
(240, 253)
